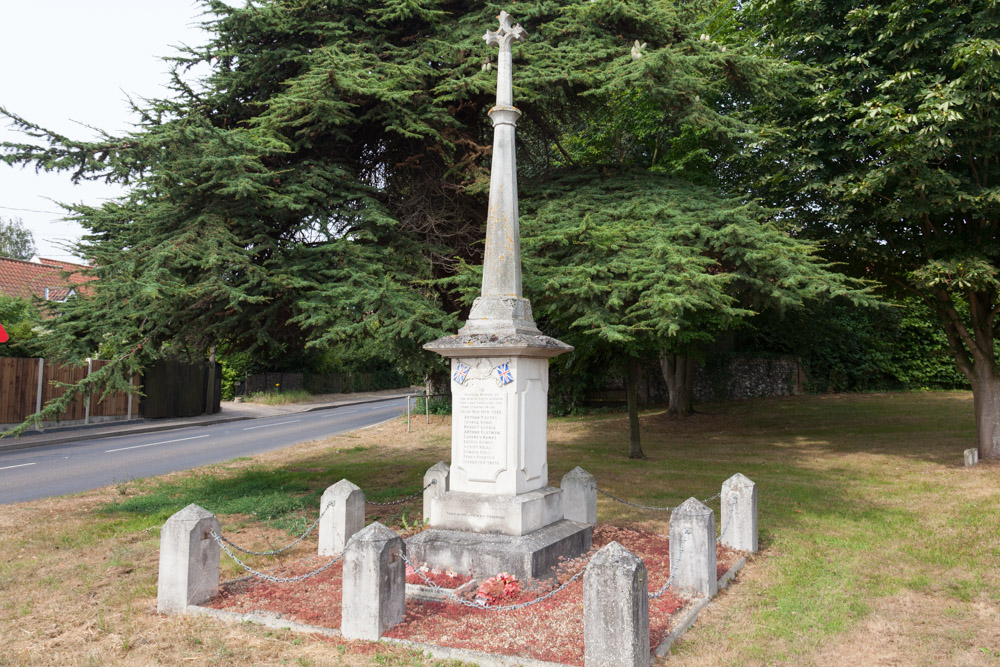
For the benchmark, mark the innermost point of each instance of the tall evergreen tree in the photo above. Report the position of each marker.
(330, 174)
(892, 155)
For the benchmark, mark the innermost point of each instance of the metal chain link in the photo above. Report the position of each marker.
(631, 504)
(275, 552)
(450, 594)
(673, 568)
(649, 507)
(271, 577)
(731, 521)
(400, 501)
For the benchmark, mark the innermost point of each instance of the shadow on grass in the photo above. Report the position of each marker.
(274, 492)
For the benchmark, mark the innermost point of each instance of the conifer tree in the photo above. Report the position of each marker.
(326, 181)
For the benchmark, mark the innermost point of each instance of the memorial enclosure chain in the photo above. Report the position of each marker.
(271, 577)
(275, 552)
(400, 501)
(450, 595)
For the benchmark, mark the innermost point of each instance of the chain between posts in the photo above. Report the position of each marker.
(673, 569)
(730, 522)
(275, 552)
(648, 507)
(400, 501)
(271, 577)
(450, 595)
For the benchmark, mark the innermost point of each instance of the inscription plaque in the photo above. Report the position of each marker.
(482, 434)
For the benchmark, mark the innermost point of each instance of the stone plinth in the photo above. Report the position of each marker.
(435, 483)
(374, 598)
(692, 548)
(579, 496)
(343, 514)
(189, 560)
(485, 554)
(971, 457)
(498, 431)
(490, 513)
(615, 609)
(739, 513)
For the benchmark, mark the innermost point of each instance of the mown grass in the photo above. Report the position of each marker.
(869, 527)
(280, 397)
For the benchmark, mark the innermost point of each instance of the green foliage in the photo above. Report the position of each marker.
(235, 366)
(16, 240)
(842, 348)
(438, 405)
(888, 150)
(641, 262)
(332, 170)
(280, 397)
(23, 323)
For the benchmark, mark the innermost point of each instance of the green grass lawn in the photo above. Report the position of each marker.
(876, 544)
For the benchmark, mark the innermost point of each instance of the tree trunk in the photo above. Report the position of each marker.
(986, 398)
(974, 352)
(678, 373)
(632, 391)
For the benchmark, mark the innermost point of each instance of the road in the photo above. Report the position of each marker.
(39, 472)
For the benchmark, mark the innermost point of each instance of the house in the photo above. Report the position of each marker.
(47, 279)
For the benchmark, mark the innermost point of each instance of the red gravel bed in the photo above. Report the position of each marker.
(442, 579)
(550, 630)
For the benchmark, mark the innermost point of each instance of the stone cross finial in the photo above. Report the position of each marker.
(505, 34)
(502, 38)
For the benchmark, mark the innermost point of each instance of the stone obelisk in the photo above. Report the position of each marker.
(495, 510)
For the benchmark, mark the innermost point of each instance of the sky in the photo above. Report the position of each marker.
(67, 64)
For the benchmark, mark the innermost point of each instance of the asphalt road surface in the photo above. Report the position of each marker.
(49, 470)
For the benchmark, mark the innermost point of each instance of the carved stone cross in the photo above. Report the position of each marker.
(502, 38)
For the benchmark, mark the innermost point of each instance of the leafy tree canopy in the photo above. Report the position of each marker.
(16, 240)
(890, 153)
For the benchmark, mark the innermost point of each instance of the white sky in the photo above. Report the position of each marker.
(76, 60)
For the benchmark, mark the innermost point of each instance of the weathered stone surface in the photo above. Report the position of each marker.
(498, 343)
(615, 609)
(437, 473)
(374, 597)
(579, 496)
(483, 554)
(490, 513)
(971, 457)
(496, 314)
(339, 522)
(498, 425)
(189, 560)
(739, 513)
(692, 548)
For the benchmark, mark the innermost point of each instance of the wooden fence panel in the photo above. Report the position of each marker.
(55, 372)
(113, 405)
(18, 389)
(178, 389)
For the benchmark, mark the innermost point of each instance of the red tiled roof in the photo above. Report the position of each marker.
(24, 279)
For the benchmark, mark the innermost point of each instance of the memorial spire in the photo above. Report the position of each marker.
(501, 306)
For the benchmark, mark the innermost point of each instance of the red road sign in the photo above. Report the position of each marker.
(3, 335)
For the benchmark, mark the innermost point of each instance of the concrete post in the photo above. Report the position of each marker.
(971, 457)
(346, 517)
(615, 609)
(579, 496)
(739, 513)
(692, 548)
(436, 473)
(374, 597)
(189, 560)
